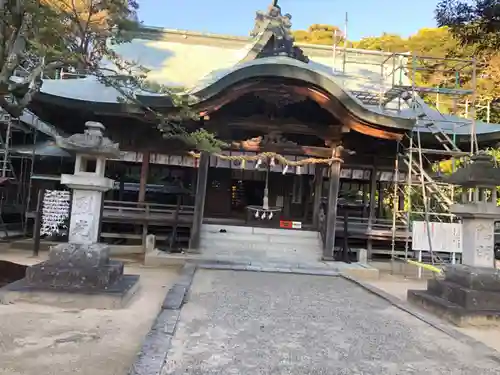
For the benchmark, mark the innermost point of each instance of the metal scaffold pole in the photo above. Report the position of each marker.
(395, 206)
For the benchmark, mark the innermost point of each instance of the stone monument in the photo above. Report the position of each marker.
(469, 293)
(79, 273)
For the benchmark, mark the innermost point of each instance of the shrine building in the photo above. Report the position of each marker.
(334, 127)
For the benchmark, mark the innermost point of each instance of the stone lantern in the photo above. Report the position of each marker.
(469, 293)
(79, 273)
(478, 209)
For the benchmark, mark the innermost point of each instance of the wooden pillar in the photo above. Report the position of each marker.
(122, 188)
(371, 210)
(373, 190)
(380, 211)
(144, 176)
(318, 191)
(199, 204)
(331, 218)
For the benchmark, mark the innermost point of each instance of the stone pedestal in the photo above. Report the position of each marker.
(79, 274)
(469, 293)
(465, 295)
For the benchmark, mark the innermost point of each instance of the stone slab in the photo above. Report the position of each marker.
(61, 276)
(476, 278)
(80, 256)
(151, 358)
(187, 274)
(115, 297)
(467, 298)
(453, 313)
(156, 345)
(166, 321)
(363, 271)
(174, 297)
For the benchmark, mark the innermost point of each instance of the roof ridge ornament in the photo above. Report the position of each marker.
(282, 41)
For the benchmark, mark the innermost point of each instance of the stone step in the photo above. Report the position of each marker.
(262, 246)
(216, 228)
(262, 256)
(464, 297)
(260, 238)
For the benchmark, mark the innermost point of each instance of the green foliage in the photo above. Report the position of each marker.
(37, 36)
(436, 45)
(319, 34)
(385, 42)
(199, 139)
(472, 22)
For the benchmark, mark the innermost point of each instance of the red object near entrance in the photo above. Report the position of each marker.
(286, 224)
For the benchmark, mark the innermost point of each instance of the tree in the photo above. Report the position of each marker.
(385, 42)
(320, 34)
(38, 36)
(88, 28)
(475, 24)
(472, 22)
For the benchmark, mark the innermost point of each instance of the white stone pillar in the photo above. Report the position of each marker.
(88, 184)
(478, 232)
(478, 242)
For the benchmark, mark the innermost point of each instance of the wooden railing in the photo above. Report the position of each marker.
(360, 227)
(144, 210)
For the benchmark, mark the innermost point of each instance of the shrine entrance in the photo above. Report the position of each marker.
(236, 194)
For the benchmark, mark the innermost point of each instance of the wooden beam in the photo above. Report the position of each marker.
(331, 104)
(266, 125)
(312, 151)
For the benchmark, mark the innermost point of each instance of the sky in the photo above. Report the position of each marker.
(365, 17)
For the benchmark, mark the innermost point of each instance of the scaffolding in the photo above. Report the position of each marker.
(420, 195)
(438, 112)
(15, 182)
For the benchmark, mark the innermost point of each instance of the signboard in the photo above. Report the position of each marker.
(288, 224)
(357, 174)
(55, 212)
(445, 237)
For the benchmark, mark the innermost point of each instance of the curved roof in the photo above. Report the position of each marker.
(205, 65)
(311, 74)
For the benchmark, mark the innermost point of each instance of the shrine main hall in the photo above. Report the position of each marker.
(312, 142)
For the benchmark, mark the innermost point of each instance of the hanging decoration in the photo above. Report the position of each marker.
(273, 157)
(269, 159)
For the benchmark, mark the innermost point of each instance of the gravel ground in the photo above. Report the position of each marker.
(44, 340)
(261, 323)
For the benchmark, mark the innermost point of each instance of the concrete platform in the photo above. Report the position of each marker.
(115, 297)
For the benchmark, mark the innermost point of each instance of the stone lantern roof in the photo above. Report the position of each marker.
(481, 172)
(91, 142)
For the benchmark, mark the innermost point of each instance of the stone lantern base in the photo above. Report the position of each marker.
(465, 296)
(75, 276)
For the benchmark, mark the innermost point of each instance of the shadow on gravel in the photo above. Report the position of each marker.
(10, 272)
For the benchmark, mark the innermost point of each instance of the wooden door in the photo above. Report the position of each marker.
(218, 199)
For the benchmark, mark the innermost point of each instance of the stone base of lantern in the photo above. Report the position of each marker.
(75, 276)
(466, 296)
